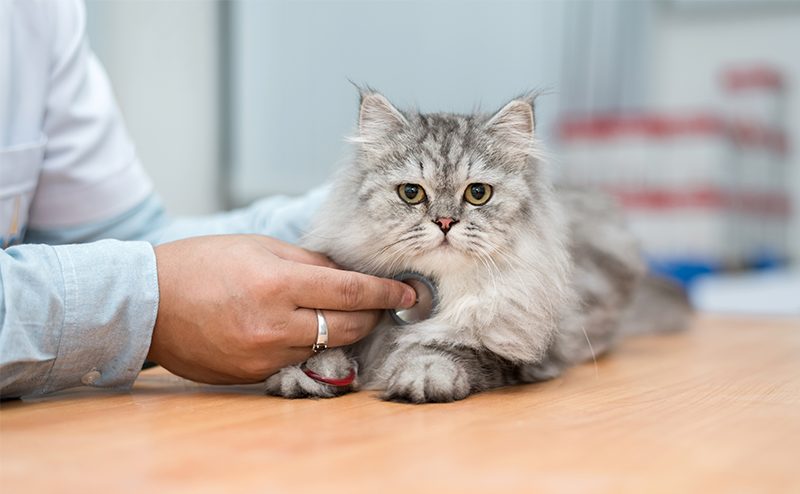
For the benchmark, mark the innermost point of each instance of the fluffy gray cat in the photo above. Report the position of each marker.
(531, 278)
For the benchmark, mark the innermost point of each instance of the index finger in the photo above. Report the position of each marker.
(318, 287)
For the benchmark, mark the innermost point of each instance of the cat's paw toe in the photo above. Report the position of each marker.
(434, 380)
(542, 371)
(292, 382)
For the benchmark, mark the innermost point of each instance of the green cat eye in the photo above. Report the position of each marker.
(411, 193)
(478, 194)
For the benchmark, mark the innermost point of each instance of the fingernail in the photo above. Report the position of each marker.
(409, 298)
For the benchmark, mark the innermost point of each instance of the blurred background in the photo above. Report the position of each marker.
(687, 111)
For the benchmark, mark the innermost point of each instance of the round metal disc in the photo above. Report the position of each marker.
(427, 299)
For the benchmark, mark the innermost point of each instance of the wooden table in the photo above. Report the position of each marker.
(715, 409)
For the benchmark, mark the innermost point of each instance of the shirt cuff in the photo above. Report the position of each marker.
(110, 308)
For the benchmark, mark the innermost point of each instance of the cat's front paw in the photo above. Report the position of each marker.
(542, 371)
(293, 382)
(426, 379)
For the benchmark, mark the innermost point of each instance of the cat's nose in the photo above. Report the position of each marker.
(445, 224)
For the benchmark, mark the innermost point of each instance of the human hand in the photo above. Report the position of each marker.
(237, 308)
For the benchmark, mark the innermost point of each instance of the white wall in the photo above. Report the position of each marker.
(293, 102)
(162, 58)
(294, 105)
(692, 46)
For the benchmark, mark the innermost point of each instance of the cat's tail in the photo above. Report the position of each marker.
(658, 305)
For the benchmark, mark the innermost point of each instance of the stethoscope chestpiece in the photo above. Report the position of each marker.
(427, 299)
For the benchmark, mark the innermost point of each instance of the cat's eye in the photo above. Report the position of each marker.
(478, 194)
(411, 193)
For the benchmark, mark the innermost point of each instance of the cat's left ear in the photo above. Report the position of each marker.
(378, 118)
(514, 122)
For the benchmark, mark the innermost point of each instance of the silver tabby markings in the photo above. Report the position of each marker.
(531, 279)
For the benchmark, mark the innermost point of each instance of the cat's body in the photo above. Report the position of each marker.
(530, 279)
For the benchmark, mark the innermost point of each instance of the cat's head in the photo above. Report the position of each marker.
(462, 199)
(438, 192)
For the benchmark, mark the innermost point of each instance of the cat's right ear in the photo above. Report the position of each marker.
(515, 121)
(378, 118)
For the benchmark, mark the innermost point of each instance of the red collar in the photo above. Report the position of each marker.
(339, 382)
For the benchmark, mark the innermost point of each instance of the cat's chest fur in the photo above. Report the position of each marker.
(481, 309)
(530, 279)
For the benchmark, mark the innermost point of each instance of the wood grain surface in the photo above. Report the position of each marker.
(714, 409)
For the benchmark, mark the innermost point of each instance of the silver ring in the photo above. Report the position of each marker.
(322, 333)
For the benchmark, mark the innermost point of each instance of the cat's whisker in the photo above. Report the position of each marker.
(313, 234)
(500, 249)
(489, 269)
(523, 265)
(380, 262)
(390, 256)
(391, 259)
(492, 267)
(390, 264)
(591, 350)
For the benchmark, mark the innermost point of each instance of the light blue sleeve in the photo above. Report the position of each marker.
(75, 314)
(81, 310)
(282, 217)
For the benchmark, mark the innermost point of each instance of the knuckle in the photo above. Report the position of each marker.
(358, 325)
(319, 259)
(254, 369)
(352, 292)
(267, 285)
(351, 330)
(258, 339)
(327, 261)
(276, 334)
(389, 294)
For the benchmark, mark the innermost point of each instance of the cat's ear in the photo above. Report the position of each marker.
(514, 122)
(378, 118)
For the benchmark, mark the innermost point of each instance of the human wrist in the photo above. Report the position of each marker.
(110, 305)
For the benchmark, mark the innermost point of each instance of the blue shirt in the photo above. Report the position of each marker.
(78, 216)
(84, 313)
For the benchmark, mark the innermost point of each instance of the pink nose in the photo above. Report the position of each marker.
(445, 223)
